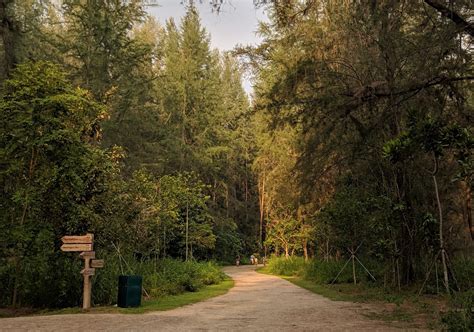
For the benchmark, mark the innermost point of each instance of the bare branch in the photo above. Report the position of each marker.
(460, 22)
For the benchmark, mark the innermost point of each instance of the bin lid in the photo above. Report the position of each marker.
(130, 280)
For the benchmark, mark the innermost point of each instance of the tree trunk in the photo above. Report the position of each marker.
(305, 250)
(265, 255)
(397, 266)
(440, 215)
(353, 269)
(164, 242)
(468, 207)
(16, 285)
(246, 198)
(287, 253)
(227, 201)
(9, 34)
(187, 229)
(327, 250)
(31, 169)
(214, 191)
(262, 206)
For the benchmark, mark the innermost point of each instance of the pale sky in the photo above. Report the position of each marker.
(237, 23)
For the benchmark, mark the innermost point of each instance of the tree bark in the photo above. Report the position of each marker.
(305, 250)
(262, 207)
(468, 207)
(246, 198)
(440, 215)
(327, 250)
(187, 229)
(227, 201)
(9, 34)
(353, 267)
(16, 284)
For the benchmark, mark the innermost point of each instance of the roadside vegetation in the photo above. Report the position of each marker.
(410, 305)
(167, 284)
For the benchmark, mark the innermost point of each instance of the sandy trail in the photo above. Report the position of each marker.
(258, 302)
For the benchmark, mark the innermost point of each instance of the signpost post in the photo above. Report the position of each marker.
(84, 243)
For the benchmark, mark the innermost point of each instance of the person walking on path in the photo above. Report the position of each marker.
(253, 260)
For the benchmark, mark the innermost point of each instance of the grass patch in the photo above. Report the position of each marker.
(163, 303)
(175, 301)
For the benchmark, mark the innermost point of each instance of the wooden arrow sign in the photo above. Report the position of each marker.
(97, 263)
(88, 238)
(88, 272)
(77, 247)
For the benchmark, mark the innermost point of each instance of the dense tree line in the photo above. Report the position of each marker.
(116, 125)
(359, 138)
(370, 107)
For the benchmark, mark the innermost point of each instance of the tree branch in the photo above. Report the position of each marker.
(460, 22)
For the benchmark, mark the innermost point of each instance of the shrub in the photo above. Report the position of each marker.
(291, 266)
(160, 277)
(463, 271)
(174, 277)
(461, 318)
(324, 272)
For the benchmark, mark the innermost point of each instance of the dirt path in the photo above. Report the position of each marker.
(258, 302)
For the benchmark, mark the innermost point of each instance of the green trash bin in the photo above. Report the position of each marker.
(129, 291)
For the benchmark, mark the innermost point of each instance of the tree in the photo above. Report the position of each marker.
(49, 170)
(434, 138)
(346, 77)
(190, 92)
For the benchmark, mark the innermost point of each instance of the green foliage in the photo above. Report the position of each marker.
(56, 182)
(205, 113)
(149, 216)
(228, 241)
(461, 318)
(462, 269)
(161, 277)
(287, 266)
(429, 135)
(322, 272)
(353, 219)
(398, 148)
(174, 277)
(348, 106)
(146, 165)
(319, 271)
(162, 150)
(50, 173)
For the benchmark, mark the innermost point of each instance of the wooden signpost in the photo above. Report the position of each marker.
(88, 238)
(84, 243)
(77, 247)
(97, 263)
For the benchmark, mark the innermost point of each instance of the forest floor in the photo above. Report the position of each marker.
(256, 302)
